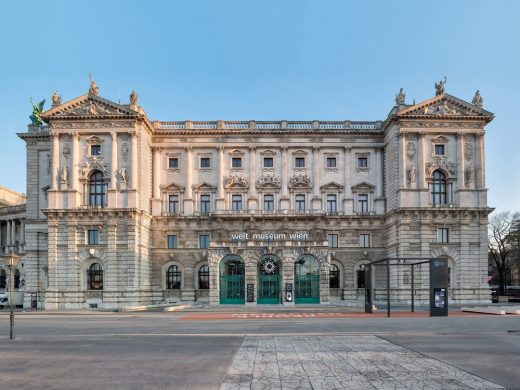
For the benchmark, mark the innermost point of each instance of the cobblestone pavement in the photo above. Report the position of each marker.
(340, 362)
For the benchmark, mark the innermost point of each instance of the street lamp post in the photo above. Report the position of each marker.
(11, 260)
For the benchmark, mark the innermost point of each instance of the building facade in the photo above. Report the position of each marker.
(122, 210)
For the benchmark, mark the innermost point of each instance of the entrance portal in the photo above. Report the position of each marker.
(232, 280)
(269, 280)
(307, 280)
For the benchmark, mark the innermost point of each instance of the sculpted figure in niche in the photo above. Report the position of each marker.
(412, 173)
(439, 87)
(64, 175)
(124, 175)
(470, 174)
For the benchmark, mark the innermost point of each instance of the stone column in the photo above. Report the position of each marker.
(460, 161)
(347, 201)
(13, 233)
(75, 160)
(402, 160)
(316, 199)
(221, 202)
(252, 204)
(379, 172)
(134, 174)
(22, 231)
(420, 160)
(284, 201)
(113, 165)
(480, 180)
(188, 199)
(8, 236)
(157, 172)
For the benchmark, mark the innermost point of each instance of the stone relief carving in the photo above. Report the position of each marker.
(236, 181)
(124, 175)
(124, 151)
(94, 163)
(49, 164)
(90, 125)
(66, 151)
(268, 180)
(412, 173)
(65, 175)
(400, 98)
(468, 151)
(300, 180)
(93, 108)
(440, 162)
(439, 87)
(478, 100)
(470, 174)
(56, 99)
(410, 150)
(453, 125)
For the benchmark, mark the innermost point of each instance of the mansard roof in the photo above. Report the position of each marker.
(445, 106)
(89, 106)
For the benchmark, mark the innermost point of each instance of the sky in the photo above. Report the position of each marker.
(269, 59)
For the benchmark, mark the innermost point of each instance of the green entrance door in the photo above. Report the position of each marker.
(232, 280)
(306, 280)
(269, 280)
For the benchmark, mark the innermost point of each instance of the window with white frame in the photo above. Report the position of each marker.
(332, 203)
(205, 162)
(204, 240)
(205, 203)
(333, 240)
(268, 202)
(173, 204)
(362, 205)
(299, 201)
(299, 162)
(362, 162)
(173, 163)
(93, 237)
(236, 202)
(236, 162)
(443, 235)
(439, 150)
(268, 162)
(173, 241)
(331, 162)
(364, 240)
(95, 150)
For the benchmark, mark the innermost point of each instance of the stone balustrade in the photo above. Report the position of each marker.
(271, 125)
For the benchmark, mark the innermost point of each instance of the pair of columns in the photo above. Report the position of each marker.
(11, 234)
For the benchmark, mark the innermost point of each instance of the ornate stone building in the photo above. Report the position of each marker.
(122, 210)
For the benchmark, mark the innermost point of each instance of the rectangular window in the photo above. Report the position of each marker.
(173, 241)
(439, 150)
(173, 163)
(205, 206)
(362, 203)
(173, 203)
(362, 162)
(204, 241)
(364, 240)
(236, 203)
(333, 240)
(331, 162)
(268, 202)
(205, 162)
(95, 150)
(300, 202)
(236, 162)
(299, 162)
(331, 203)
(93, 237)
(443, 235)
(268, 162)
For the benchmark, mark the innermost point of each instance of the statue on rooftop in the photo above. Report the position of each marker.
(478, 100)
(439, 87)
(56, 99)
(36, 116)
(134, 98)
(400, 98)
(94, 89)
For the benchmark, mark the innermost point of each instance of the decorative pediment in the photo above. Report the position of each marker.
(235, 181)
(299, 153)
(204, 187)
(94, 163)
(95, 140)
(332, 186)
(268, 153)
(236, 153)
(268, 181)
(442, 163)
(300, 180)
(172, 187)
(440, 140)
(445, 105)
(88, 106)
(363, 187)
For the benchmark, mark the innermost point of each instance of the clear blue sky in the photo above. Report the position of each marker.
(275, 59)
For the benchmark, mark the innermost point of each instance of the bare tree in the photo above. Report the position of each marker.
(501, 244)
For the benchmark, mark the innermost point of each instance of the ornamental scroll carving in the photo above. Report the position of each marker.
(268, 180)
(124, 151)
(235, 181)
(300, 180)
(440, 162)
(94, 163)
(468, 151)
(90, 125)
(410, 150)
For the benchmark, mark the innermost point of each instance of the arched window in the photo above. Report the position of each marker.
(96, 189)
(95, 277)
(17, 278)
(439, 188)
(204, 277)
(333, 276)
(3, 278)
(173, 278)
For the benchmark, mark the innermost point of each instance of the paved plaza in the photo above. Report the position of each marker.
(255, 349)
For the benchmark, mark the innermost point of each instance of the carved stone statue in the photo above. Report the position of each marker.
(134, 98)
(65, 175)
(439, 87)
(412, 173)
(36, 116)
(56, 99)
(94, 89)
(124, 175)
(401, 97)
(478, 100)
(470, 174)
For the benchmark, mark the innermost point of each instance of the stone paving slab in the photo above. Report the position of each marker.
(340, 362)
